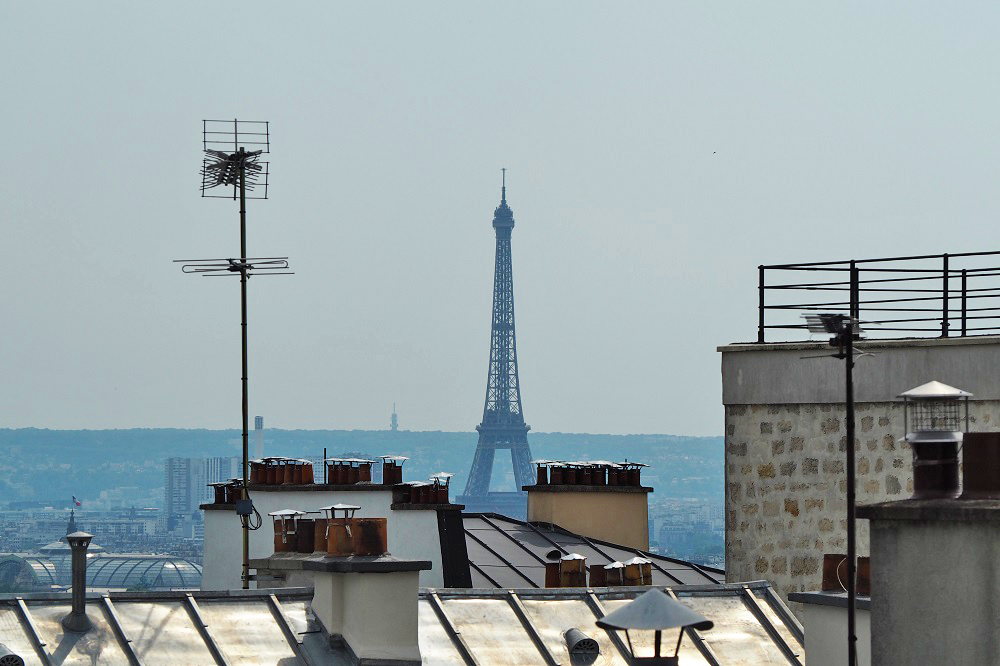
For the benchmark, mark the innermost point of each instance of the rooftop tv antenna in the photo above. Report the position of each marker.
(844, 330)
(247, 174)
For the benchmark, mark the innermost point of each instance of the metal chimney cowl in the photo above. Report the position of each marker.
(935, 416)
(77, 620)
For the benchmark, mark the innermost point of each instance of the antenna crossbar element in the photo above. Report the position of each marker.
(227, 157)
(225, 134)
(220, 267)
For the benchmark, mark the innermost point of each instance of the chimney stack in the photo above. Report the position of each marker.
(77, 620)
(935, 575)
(596, 498)
(364, 598)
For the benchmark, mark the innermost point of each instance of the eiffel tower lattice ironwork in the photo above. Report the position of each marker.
(503, 424)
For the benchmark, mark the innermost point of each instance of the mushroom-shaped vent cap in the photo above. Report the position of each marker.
(79, 539)
(932, 390)
(654, 610)
(580, 643)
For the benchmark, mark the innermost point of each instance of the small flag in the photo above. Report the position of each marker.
(76, 501)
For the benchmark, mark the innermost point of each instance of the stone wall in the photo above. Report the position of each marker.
(786, 484)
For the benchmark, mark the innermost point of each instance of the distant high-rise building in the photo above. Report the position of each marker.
(177, 489)
(503, 424)
(394, 422)
(258, 437)
(186, 484)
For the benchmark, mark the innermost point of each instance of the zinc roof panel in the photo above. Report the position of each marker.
(97, 646)
(737, 638)
(493, 632)
(436, 647)
(247, 632)
(162, 633)
(14, 636)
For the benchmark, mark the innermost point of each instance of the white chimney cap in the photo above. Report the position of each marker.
(572, 556)
(287, 512)
(935, 389)
(339, 507)
(638, 560)
(442, 475)
(393, 458)
(614, 565)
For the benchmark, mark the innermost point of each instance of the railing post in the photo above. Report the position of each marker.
(855, 311)
(760, 305)
(963, 301)
(944, 299)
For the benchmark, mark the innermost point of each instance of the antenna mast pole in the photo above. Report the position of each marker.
(246, 399)
(243, 170)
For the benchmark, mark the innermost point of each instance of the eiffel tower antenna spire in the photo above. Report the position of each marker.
(503, 424)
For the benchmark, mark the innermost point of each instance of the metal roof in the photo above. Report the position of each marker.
(486, 627)
(509, 553)
(169, 629)
(108, 571)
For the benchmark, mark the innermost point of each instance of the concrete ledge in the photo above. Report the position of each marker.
(798, 373)
(933, 509)
(406, 506)
(861, 344)
(10, 598)
(564, 488)
(331, 563)
(317, 487)
(217, 507)
(838, 599)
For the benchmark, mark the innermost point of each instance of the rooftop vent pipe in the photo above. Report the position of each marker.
(8, 658)
(77, 620)
(580, 645)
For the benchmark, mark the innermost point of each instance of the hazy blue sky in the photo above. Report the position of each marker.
(656, 154)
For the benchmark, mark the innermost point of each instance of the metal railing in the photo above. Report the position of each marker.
(935, 295)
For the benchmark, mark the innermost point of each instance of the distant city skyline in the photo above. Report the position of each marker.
(656, 153)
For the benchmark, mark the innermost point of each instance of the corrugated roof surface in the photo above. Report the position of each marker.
(509, 553)
(752, 626)
(169, 629)
(486, 627)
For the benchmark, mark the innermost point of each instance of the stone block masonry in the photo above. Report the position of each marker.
(786, 504)
(786, 445)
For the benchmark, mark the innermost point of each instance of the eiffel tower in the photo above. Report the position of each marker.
(503, 424)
